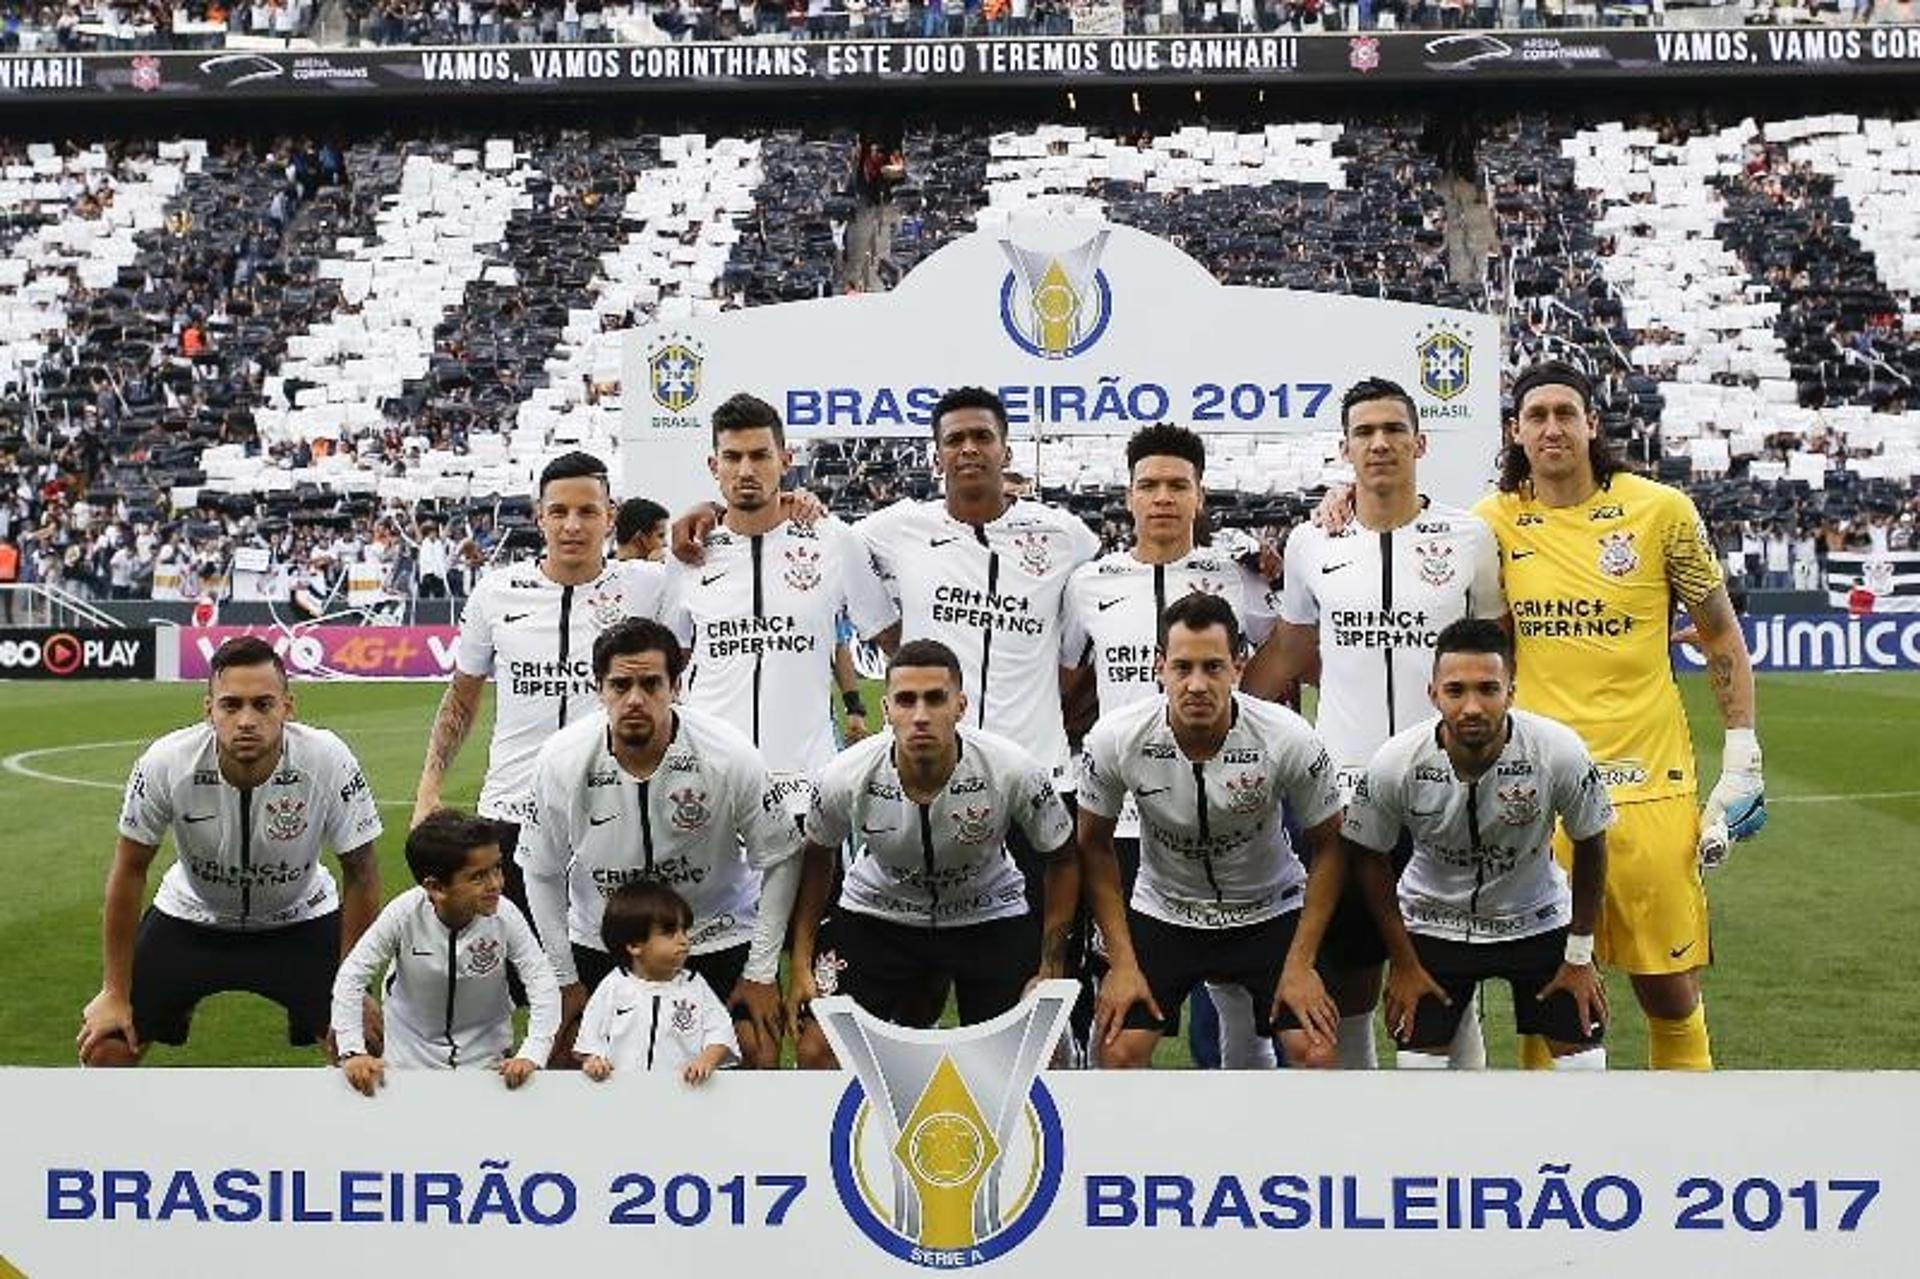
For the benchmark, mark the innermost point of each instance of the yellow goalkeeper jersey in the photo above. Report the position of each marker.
(1593, 589)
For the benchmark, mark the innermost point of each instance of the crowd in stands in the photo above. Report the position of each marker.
(188, 332)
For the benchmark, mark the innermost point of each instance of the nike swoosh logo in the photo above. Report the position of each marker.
(602, 821)
(1104, 605)
(1158, 790)
(204, 818)
(1334, 568)
(875, 830)
(508, 619)
(1678, 951)
(939, 542)
(622, 1012)
(709, 581)
(1519, 552)
(423, 954)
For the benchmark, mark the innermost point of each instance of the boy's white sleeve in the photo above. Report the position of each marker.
(717, 1027)
(363, 963)
(594, 1039)
(536, 974)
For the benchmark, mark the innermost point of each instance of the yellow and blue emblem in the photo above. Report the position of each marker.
(1446, 362)
(673, 375)
(1056, 305)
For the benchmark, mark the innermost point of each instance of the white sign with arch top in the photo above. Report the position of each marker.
(1083, 327)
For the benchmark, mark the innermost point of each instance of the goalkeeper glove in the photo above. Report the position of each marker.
(1736, 808)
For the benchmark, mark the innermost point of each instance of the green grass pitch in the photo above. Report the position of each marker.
(1813, 923)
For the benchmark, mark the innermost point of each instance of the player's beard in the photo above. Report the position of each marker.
(635, 734)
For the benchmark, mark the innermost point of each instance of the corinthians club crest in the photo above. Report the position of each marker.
(803, 567)
(1436, 562)
(690, 811)
(973, 824)
(947, 1147)
(1056, 305)
(1617, 556)
(1519, 804)
(286, 818)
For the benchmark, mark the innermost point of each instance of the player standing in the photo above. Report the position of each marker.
(935, 893)
(251, 798)
(1220, 895)
(1482, 897)
(1596, 561)
(1364, 605)
(651, 791)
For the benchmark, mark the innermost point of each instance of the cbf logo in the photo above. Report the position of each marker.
(673, 374)
(946, 1148)
(1446, 362)
(1056, 305)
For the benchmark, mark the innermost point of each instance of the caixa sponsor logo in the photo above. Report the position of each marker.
(1823, 642)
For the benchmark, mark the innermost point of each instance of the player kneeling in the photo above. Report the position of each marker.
(1478, 791)
(450, 941)
(652, 1012)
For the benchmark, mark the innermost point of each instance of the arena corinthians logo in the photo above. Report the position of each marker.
(946, 1147)
(1056, 305)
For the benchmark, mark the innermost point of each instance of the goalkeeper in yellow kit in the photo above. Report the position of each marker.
(1595, 561)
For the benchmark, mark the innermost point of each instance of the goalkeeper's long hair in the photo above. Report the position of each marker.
(1515, 469)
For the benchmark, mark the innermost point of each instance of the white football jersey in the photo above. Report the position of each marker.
(654, 1025)
(445, 997)
(1214, 852)
(705, 824)
(535, 638)
(941, 864)
(249, 858)
(1111, 621)
(759, 619)
(992, 593)
(1379, 601)
(1483, 867)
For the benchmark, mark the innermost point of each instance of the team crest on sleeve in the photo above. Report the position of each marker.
(683, 1015)
(286, 818)
(1036, 553)
(1436, 562)
(690, 811)
(483, 957)
(1617, 556)
(803, 567)
(1519, 804)
(973, 824)
(1246, 793)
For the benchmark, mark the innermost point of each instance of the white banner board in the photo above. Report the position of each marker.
(1082, 328)
(185, 1174)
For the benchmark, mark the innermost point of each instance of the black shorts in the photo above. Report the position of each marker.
(888, 968)
(514, 889)
(176, 964)
(720, 968)
(1526, 965)
(1175, 959)
(1352, 939)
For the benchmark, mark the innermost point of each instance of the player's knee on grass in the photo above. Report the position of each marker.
(1306, 1053)
(811, 1050)
(756, 1053)
(1132, 1050)
(113, 1050)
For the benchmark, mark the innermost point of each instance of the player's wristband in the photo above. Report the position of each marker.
(1741, 752)
(1579, 951)
(851, 700)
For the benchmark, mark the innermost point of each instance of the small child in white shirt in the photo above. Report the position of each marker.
(652, 1013)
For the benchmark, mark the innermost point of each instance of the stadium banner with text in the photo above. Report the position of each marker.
(333, 652)
(1891, 580)
(1111, 1174)
(1083, 327)
(104, 652)
(1822, 642)
(1422, 57)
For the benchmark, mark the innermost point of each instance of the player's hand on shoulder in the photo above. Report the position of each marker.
(515, 1071)
(1335, 510)
(366, 1075)
(1406, 987)
(596, 1068)
(687, 537)
(105, 1016)
(802, 507)
(857, 729)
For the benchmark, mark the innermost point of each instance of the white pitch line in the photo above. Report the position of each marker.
(1841, 799)
(16, 763)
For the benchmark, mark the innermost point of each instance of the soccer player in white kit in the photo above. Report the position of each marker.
(1221, 895)
(530, 629)
(251, 798)
(447, 945)
(1111, 622)
(1482, 898)
(934, 891)
(648, 790)
(1365, 605)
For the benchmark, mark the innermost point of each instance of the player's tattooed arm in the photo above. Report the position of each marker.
(1062, 905)
(459, 709)
(1729, 666)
